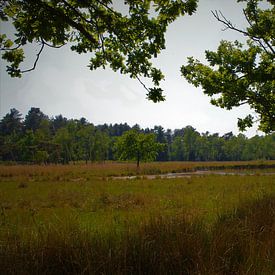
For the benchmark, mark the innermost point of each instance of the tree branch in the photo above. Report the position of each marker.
(139, 80)
(265, 41)
(11, 49)
(36, 60)
(101, 37)
(52, 46)
(68, 20)
(102, 44)
(108, 8)
(121, 41)
(77, 12)
(221, 18)
(244, 102)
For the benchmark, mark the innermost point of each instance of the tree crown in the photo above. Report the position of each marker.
(124, 36)
(239, 74)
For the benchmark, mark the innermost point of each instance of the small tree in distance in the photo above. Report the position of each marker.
(133, 145)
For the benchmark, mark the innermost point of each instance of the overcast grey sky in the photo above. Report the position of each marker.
(62, 83)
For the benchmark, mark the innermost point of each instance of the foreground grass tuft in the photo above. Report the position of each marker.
(241, 242)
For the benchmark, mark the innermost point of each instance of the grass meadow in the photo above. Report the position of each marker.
(82, 219)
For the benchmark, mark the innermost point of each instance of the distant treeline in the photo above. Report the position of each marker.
(40, 139)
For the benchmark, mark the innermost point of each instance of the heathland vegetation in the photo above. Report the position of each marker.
(82, 219)
(86, 213)
(40, 139)
(88, 216)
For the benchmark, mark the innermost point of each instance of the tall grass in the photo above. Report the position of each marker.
(75, 220)
(241, 242)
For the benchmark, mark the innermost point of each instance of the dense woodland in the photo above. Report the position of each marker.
(40, 139)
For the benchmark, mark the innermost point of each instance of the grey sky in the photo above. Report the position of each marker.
(62, 83)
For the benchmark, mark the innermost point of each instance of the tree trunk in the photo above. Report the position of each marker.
(138, 159)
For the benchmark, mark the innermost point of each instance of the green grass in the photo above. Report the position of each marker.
(75, 219)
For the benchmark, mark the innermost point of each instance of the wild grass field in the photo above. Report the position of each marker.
(82, 219)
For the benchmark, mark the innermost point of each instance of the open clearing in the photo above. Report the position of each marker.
(82, 219)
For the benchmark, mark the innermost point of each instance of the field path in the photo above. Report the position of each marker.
(190, 174)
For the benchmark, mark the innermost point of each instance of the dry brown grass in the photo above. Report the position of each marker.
(74, 220)
(78, 172)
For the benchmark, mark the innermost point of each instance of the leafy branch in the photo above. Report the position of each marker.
(229, 25)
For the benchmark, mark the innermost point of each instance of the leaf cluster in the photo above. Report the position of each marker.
(133, 145)
(122, 36)
(239, 74)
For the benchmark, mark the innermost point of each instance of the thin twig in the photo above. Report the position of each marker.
(102, 43)
(227, 23)
(221, 18)
(77, 12)
(242, 103)
(258, 40)
(257, 25)
(11, 49)
(36, 60)
(108, 8)
(139, 80)
(53, 46)
(122, 42)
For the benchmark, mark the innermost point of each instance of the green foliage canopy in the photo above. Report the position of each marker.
(11, 122)
(242, 74)
(124, 37)
(133, 145)
(62, 140)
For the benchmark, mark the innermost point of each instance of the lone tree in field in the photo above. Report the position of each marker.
(133, 145)
(122, 34)
(239, 74)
